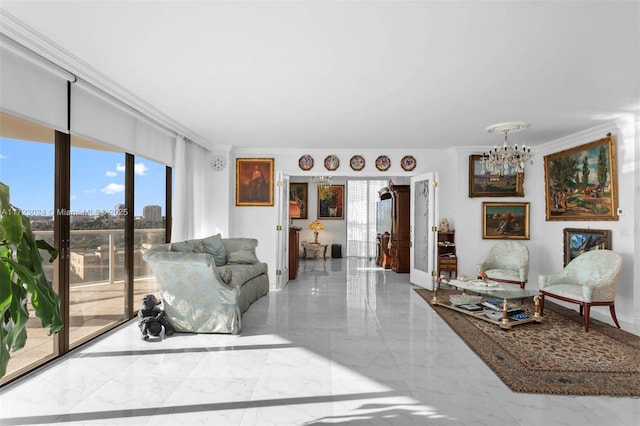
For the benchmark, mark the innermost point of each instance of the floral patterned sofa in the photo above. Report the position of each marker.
(207, 284)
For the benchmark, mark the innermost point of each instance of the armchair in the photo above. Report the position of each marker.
(508, 262)
(590, 279)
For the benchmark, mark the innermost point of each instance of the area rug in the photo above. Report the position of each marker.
(555, 356)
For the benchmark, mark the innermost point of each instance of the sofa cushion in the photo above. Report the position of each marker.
(246, 257)
(182, 247)
(240, 274)
(214, 246)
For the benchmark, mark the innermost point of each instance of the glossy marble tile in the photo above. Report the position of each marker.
(344, 343)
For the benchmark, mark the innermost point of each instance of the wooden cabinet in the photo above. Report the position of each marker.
(400, 244)
(294, 251)
(447, 258)
(393, 214)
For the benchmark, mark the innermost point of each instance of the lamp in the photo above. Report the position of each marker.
(508, 159)
(316, 226)
(321, 181)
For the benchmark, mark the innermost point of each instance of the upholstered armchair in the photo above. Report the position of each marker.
(590, 279)
(507, 262)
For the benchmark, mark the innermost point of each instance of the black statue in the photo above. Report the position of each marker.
(151, 319)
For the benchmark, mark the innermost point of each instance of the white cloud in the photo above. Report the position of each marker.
(113, 188)
(141, 169)
(120, 167)
(111, 173)
(90, 191)
(2, 157)
(72, 197)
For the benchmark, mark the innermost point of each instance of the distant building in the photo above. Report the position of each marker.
(152, 213)
(119, 210)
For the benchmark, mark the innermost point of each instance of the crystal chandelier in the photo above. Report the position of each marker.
(321, 181)
(508, 159)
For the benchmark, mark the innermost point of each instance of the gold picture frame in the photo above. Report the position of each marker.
(254, 181)
(488, 185)
(505, 221)
(331, 202)
(299, 194)
(578, 241)
(582, 182)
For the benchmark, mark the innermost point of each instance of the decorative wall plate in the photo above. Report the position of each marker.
(383, 163)
(408, 163)
(331, 163)
(306, 162)
(357, 163)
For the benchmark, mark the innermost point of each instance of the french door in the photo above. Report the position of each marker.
(423, 236)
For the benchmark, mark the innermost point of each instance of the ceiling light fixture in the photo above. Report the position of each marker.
(321, 181)
(507, 159)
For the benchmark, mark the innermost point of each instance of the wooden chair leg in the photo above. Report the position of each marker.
(612, 309)
(587, 311)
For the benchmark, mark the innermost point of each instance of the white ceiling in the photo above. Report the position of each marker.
(347, 74)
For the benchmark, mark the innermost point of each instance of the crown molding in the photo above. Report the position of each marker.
(31, 40)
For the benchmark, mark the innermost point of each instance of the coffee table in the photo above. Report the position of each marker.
(497, 290)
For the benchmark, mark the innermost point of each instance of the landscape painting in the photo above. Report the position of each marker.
(484, 184)
(299, 195)
(581, 182)
(505, 221)
(578, 241)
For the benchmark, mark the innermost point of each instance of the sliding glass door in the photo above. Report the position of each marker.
(27, 167)
(96, 242)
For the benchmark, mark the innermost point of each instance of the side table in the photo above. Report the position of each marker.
(315, 249)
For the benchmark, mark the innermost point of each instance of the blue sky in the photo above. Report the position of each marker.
(97, 178)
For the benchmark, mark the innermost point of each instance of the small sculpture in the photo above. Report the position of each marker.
(444, 225)
(151, 319)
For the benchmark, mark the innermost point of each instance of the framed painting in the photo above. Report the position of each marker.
(299, 196)
(578, 241)
(505, 221)
(254, 181)
(582, 183)
(331, 202)
(484, 184)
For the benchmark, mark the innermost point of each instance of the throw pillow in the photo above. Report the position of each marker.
(182, 247)
(214, 246)
(243, 257)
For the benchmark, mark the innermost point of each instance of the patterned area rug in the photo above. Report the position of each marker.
(555, 356)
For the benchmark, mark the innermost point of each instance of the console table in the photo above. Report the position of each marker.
(315, 249)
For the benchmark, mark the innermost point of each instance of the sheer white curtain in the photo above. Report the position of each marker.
(190, 196)
(362, 196)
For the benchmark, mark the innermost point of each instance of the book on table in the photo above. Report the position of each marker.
(496, 305)
(472, 308)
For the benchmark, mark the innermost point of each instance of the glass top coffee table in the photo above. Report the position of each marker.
(495, 303)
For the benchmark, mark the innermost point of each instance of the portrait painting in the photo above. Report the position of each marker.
(254, 182)
(331, 202)
(581, 182)
(578, 241)
(484, 184)
(299, 196)
(505, 221)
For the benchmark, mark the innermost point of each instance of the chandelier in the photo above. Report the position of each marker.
(321, 181)
(508, 159)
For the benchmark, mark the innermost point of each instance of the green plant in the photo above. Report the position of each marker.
(21, 275)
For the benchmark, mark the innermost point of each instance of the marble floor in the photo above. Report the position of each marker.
(346, 343)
